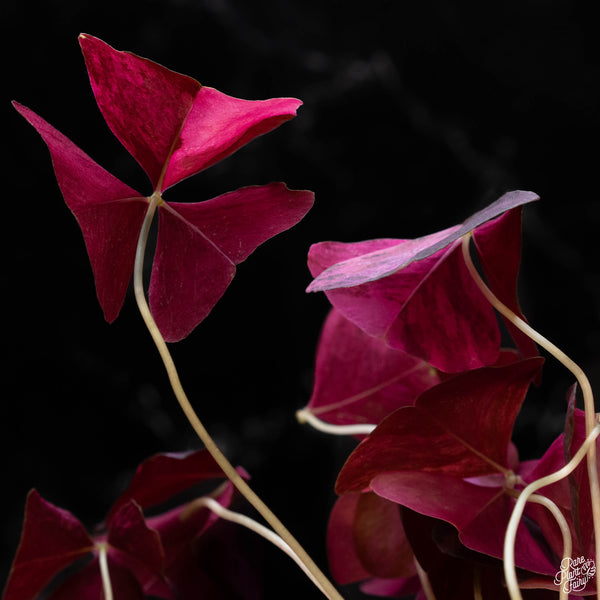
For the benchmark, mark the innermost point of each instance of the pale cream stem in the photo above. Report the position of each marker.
(251, 524)
(424, 579)
(510, 574)
(584, 384)
(305, 416)
(564, 530)
(477, 593)
(324, 584)
(104, 572)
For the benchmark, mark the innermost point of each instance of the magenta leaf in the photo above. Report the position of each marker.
(199, 245)
(52, 539)
(418, 294)
(109, 213)
(448, 430)
(174, 127)
(498, 245)
(382, 380)
(171, 124)
(411, 310)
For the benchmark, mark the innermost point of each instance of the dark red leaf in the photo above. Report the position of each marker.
(448, 430)
(129, 534)
(51, 540)
(379, 538)
(162, 476)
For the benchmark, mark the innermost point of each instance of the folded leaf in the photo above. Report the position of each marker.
(173, 126)
(418, 294)
(377, 264)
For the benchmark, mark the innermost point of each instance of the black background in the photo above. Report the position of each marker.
(415, 115)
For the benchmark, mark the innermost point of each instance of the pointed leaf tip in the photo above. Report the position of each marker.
(51, 540)
(199, 245)
(171, 124)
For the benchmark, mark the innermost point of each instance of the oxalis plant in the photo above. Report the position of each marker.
(433, 501)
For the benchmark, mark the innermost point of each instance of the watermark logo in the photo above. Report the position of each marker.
(575, 573)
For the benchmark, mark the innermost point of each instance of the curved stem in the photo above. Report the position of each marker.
(251, 524)
(511, 530)
(305, 416)
(325, 585)
(424, 579)
(584, 384)
(564, 530)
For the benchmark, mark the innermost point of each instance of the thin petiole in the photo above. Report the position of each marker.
(317, 575)
(104, 572)
(511, 530)
(251, 524)
(305, 416)
(584, 384)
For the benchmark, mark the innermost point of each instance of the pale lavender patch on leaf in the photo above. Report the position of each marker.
(382, 263)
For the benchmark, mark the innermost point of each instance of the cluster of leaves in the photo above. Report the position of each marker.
(172, 554)
(434, 484)
(174, 127)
